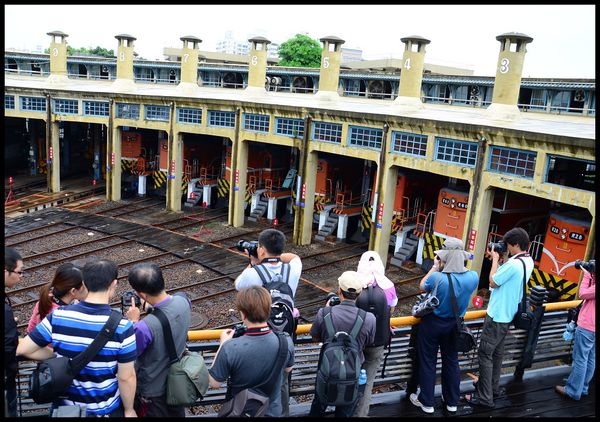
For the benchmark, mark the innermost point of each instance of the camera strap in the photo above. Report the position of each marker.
(271, 260)
(454, 301)
(524, 299)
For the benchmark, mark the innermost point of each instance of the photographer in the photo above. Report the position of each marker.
(246, 359)
(268, 254)
(152, 365)
(584, 349)
(506, 283)
(343, 317)
(437, 329)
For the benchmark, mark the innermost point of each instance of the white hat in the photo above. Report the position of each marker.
(351, 282)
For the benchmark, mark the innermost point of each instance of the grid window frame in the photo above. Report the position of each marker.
(407, 143)
(27, 103)
(95, 108)
(256, 122)
(514, 162)
(365, 137)
(326, 132)
(132, 112)
(457, 152)
(189, 115)
(285, 126)
(9, 102)
(156, 113)
(221, 118)
(65, 106)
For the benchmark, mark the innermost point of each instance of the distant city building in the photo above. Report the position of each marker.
(230, 45)
(351, 54)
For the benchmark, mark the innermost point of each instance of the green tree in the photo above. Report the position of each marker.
(97, 51)
(300, 51)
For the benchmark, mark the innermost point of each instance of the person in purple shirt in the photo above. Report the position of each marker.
(152, 365)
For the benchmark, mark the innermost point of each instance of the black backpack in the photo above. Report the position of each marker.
(339, 362)
(282, 298)
(366, 301)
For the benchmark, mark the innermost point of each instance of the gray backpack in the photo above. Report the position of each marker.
(339, 363)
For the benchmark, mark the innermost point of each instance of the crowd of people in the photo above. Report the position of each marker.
(128, 377)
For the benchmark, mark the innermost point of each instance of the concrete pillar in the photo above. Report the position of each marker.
(239, 183)
(342, 227)
(124, 61)
(142, 185)
(206, 195)
(58, 57)
(387, 198)
(257, 65)
(189, 64)
(508, 75)
(53, 156)
(272, 209)
(329, 74)
(310, 180)
(411, 75)
(175, 179)
(482, 214)
(113, 165)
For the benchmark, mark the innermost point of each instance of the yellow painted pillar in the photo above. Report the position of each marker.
(125, 79)
(58, 55)
(331, 58)
(189, 59)
(257, 65)
(53, 153)
(174, 185)
(113, 165)
(310, 181)
(239, 183)
(482, 213)
(387, 197)
(413, 63)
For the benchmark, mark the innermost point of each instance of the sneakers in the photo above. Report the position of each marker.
(448, 407)
(415, 400)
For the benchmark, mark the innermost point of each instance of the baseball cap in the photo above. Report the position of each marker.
(351, 281)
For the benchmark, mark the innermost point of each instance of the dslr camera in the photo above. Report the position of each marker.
(126, 299)
(239, 330)
(499, 246)
(590, 265)
(251, 247)
(333, 299)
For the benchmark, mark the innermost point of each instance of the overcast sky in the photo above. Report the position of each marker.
(461, 35)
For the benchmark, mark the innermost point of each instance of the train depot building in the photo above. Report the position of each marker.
(400, 158)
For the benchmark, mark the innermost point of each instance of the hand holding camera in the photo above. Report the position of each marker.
(589, 266)
(132, 300)
(332, 299)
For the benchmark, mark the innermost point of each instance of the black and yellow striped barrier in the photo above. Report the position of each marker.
(127, 166)
(42, 168)
(365, 218)
(294, 206)
(184, 187)
(249, 192)
(159, 179)
(432, 243)
(567, 289)
(396, 223)
(222, 188)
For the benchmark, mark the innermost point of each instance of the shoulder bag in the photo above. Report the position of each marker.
(51, 378)
(524, 317)
(426, 302)
(254, 401)
(464, 340)
(187, 380)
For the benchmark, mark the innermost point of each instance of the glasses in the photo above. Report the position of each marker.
(18, 272)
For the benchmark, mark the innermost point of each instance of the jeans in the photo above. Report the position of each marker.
(491, 351)
(584, 363)
(373, 358)
(438, 333)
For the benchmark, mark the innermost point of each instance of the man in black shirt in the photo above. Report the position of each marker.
(13, 271)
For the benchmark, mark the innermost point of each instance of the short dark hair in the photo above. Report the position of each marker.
(11, 257)
(517, 236)
(146, 278)
(272, 240)
(97, 275)
(255, 303)
(349, 295)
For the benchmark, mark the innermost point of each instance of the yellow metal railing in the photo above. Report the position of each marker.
(199, 335)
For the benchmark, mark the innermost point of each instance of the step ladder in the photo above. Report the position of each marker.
(259, 210)
(328, 228)
(198, 192)
(408, 249)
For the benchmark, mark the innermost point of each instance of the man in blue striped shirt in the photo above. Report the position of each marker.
(106, 386)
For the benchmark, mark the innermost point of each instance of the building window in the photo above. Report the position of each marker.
(256, 122)
(365, 137)
(95, 108)
(289, 127)
(571, 172)
(66, 106)
(33, 103)
(327, 132)
(409, 143)
(128, 111)
(211, 79)
(512, 161)
(157, 113)
(458, 152)
(538, 99)
(221, 118)
(189, 115)
(9, 102)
